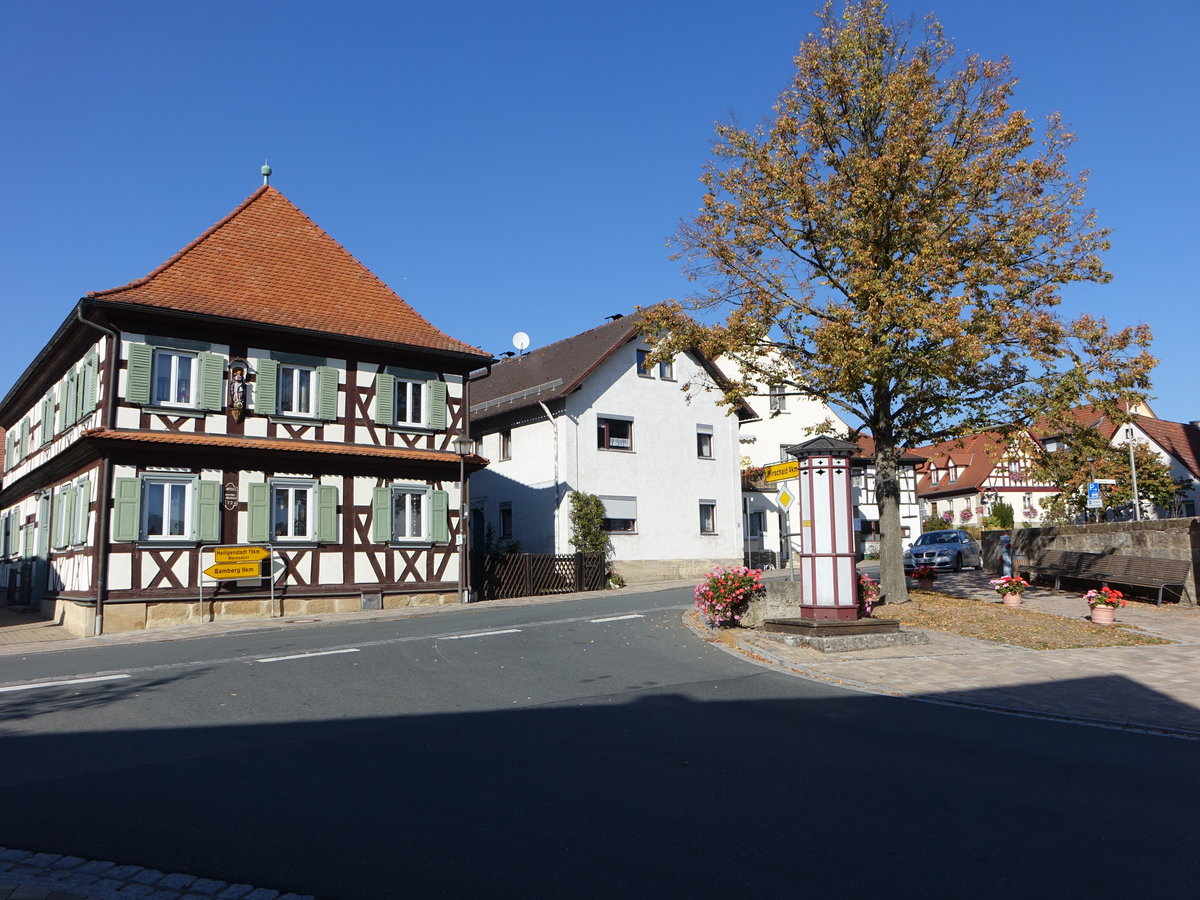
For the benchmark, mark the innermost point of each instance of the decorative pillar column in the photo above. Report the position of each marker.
(826, 561)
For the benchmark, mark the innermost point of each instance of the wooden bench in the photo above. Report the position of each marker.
(1109, 568)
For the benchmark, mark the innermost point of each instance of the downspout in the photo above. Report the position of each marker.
(104, 487)
(553, 424)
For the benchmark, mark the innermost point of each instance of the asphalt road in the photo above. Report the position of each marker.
(584, 748)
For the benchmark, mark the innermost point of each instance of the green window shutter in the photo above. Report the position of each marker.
(385, 399)
(258, 508)
(66, 404)
(437, 405)
(127, 509)
(381, 515)
(264, 387)
(85, 501)
(92, 367)
(212, 381)
(68, 521)
(27, 542)
(10, 444)
(23, 449)
(80, 394)
(47, 429)
(327, 498)
(208, 511)
(137, 375)
(327, 392)
(439, 521)
(58, 532)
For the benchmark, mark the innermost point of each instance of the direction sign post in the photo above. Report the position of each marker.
(781, 471)
(239, 554)
(226, 571)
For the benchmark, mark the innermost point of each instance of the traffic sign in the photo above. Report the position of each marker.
(226, 571)
(239, 554)
(786, 499)
(1093, 496)
(781, 471)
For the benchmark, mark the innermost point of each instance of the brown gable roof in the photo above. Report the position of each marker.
(549, 372)
(268, 262)
(1181, 440)
(558, 369)
(976, 455)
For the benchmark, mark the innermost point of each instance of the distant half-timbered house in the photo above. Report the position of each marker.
(261, 387)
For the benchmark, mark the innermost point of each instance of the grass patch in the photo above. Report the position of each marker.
(1018, 626)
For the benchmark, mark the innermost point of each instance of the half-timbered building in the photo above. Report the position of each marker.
(261, 387)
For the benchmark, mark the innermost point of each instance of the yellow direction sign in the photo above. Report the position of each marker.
(224, 571)
(239, 554)
(781, 471)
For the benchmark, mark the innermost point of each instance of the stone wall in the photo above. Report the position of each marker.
(651, 571)
(1155, 539)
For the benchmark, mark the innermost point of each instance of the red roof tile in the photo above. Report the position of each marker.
(268, 262)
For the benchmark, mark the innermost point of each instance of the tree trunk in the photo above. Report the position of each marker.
(893, 587)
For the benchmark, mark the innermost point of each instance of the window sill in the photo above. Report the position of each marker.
(412, 429)
(191, 411)
(410, 545)
(615, 450)
(281, 543)
(175, 544)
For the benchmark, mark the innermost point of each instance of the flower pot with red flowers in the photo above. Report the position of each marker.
(925, 576)
(1104, 602)
(1010, 588)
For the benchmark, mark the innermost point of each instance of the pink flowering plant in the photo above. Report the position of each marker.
(868, 594)
(1104, 596)
(1009, 584)
(924, 573)
(725, 595)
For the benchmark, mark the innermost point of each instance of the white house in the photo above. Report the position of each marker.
(791, 418)
(585, 414)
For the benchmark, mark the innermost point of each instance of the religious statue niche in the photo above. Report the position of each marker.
(239, 375)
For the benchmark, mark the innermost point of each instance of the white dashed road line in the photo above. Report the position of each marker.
(617, 618)
(69, 681)
(307, 655)
(459, 637)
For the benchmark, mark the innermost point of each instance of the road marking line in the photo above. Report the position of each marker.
(617, 618)
(458, 637)
(306, 655)
(44, 684)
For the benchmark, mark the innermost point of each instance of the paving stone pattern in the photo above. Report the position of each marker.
(25, 875)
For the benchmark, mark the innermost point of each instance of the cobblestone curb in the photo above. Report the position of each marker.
(53, 876)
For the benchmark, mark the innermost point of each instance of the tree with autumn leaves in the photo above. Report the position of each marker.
(894, 241)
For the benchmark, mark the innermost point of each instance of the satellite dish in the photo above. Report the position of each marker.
(520, 340)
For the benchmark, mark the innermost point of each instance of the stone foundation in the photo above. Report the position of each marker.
(649, 571)
(137, 616)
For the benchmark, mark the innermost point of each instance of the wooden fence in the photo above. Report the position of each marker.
(495, 576)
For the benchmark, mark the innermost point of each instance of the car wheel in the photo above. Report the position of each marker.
(958, 563)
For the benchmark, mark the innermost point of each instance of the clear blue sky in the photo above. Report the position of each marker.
(520, 166)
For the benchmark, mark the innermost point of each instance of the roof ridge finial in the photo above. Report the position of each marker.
(266, 173)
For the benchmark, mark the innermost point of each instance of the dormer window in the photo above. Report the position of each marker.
(934, 475)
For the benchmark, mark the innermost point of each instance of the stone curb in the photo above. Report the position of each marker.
(53, 876)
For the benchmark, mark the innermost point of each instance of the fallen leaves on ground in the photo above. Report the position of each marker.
(1015, 625)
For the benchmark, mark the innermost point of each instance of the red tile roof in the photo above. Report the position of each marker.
(268, 262)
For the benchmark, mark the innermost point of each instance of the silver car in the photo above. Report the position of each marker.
(953, 549)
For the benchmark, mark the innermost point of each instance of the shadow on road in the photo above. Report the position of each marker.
(665, 795)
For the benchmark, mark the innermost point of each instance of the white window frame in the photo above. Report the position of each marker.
(293, 490)
(177, 357)
(410, 388)
(288, 390)
(406, 492)
(150, 482)
(711, 507)
(704, 442)
(777, 397)
(666, 370)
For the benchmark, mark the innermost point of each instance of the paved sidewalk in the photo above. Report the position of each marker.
(1152, 688)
